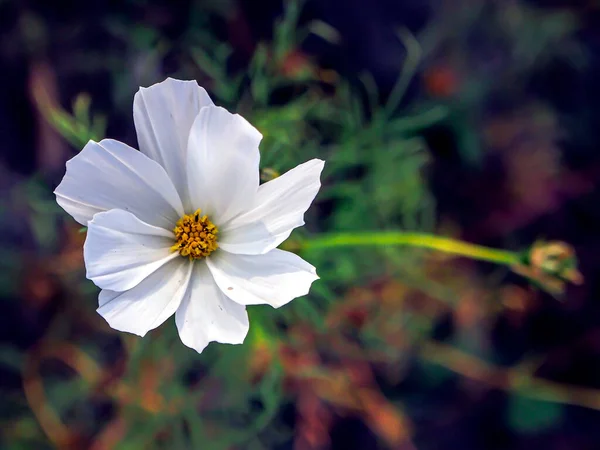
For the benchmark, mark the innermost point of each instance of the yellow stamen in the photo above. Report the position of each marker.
(195, 235)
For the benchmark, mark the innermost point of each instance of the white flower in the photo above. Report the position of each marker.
(156, 217)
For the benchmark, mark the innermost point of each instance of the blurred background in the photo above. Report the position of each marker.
(474, 119)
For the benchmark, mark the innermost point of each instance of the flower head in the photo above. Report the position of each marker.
(550, 265)
(182, 226)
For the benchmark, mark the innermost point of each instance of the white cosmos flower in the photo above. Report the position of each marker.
(148, 247)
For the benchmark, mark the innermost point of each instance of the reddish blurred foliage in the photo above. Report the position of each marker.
(441, 81)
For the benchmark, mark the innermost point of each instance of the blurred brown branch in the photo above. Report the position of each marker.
(513, 379)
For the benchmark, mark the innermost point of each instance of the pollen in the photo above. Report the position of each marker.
(195, 235)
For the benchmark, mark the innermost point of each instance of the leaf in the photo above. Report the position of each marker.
(530, 416)
(11, 357)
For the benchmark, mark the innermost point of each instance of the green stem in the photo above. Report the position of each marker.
(421, 240)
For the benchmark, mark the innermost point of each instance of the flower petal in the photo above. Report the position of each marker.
(120, 250)
(206, 314)
(111, 175)
(163, 115)
(274, 278)
(223, 161)
(279, 208)
(150, 303)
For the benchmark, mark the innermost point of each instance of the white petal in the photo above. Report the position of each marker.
(279, 208)
(163, 115)
(274, 278)
(206, 314)
(120, 250)
(223, 161)
(111, 175)
(150, 303)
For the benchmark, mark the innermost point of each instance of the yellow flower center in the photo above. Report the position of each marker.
(196, 236)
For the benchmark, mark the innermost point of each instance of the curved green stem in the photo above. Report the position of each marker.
(421, 240)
